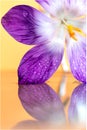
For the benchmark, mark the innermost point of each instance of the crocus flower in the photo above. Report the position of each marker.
(42, 103)
(63, 22)
(77, 107)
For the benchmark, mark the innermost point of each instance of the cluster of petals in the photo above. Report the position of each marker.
(62, 23)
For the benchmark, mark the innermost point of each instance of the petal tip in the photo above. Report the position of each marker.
(4, 21)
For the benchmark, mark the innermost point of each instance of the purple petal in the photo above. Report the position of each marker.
(77, 107)
(77, 58)
(38, 65)
(50, 5)
(54, 7)
(27, 25)
(41, 102)
(57, 7)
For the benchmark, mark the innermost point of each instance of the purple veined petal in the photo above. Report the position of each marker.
(38, 65)
(41, 102)
(27, 25)
(54, 7)
(77, 58)
(77, 107)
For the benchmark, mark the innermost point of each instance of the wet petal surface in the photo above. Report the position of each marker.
(77, 58)
(38, 65)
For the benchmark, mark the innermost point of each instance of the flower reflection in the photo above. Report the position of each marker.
(77, 107)
(41, 102)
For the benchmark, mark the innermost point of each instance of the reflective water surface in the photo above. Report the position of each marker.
(57, 104)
